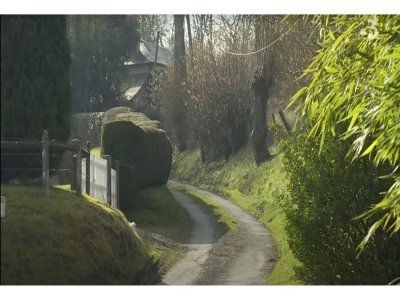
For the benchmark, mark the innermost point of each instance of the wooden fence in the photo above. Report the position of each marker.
(104, 177)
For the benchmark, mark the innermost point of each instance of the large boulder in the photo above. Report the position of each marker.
(141, 146)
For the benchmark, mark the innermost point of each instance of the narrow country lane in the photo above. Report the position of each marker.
(240, 257)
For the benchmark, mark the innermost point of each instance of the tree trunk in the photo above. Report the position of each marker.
(189, 34)
(178, 111)
(261, 85)
(179, 46)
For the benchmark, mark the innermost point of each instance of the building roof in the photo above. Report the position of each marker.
(132, 84)
(147, 53)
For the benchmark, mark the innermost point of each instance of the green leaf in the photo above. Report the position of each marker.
(395, 55)
(332, 36)
(369, 149)
(331, 69)
(296, 96)
(354, 118)
(371, 231)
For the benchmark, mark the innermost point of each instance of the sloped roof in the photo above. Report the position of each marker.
(132, 84)
(147, 54)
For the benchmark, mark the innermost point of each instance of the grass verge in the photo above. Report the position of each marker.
(224, 219)
(66, 239)
(255, 189)
(162, 223)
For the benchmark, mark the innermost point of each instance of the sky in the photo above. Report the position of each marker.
(201, 7)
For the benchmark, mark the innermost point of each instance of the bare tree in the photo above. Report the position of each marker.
(150, 25)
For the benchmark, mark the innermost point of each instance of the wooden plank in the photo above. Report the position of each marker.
(65, 146)
(21, 144)
(38, 144)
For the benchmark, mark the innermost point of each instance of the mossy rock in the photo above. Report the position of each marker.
(141, 146)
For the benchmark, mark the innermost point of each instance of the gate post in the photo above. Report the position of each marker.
(108, 158)
(79, 171)
(73, 173)
(117, 183)
(88, 169)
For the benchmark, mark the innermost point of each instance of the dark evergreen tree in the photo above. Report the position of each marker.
(35, 92)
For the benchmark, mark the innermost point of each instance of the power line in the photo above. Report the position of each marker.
(249, 53)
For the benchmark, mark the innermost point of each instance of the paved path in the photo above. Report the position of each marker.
(240, 257)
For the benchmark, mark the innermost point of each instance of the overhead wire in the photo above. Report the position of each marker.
(249, 53)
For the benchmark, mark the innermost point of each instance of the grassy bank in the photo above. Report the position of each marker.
(66, 239)
(255, 189)
(162, 223)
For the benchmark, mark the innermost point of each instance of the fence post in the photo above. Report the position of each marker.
(287, 125)
(108, 158)
(45, 162)
(117, 183)
(73, 173)
(79, 172)
(88, 169)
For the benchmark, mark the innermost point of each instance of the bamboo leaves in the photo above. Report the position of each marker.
(355, 81)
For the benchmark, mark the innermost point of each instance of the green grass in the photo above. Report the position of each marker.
(255, 189)
(66, 239)
(156, 211)
(224, 219)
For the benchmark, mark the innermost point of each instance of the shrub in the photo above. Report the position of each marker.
(326, 192)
